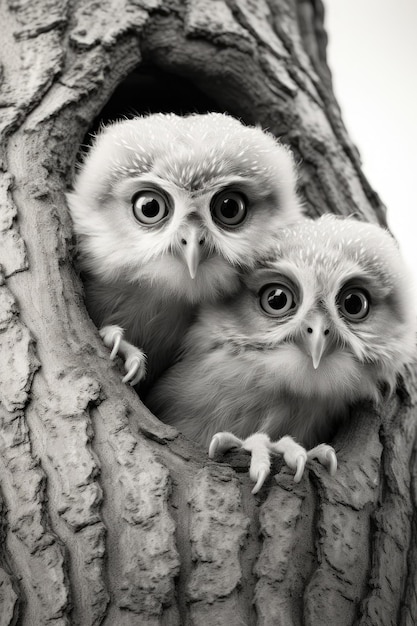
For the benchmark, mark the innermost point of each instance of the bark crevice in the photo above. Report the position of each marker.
(107, 515)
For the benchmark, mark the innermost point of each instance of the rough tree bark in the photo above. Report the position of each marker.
(107, 515)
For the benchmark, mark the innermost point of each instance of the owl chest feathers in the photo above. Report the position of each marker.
(272, 390)
(281, 393)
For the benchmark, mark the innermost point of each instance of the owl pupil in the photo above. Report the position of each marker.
(151, 208)
(277, 299)
(353, 304)
(230, 208)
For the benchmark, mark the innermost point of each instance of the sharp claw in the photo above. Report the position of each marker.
(261, 479)
(132, 371)
(332, 459)
(116, 345)
(126, 378)
(301, 461)
(214, 444)
(136, 380)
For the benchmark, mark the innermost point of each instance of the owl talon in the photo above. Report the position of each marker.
(221, 442)
(295, 456)
(326, 455)
(135, 359)
(259, 447)
(263, 473)
(214, 444)
(301, 463)
(112, 336)
(135, 366)
(331, 457)
(116, 346)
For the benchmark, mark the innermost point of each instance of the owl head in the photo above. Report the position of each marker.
(183, 202)
(330, 315)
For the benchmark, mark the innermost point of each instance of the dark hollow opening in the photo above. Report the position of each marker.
(151, 90)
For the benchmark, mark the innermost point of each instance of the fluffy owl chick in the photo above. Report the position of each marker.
(168, 210)
(326, 322)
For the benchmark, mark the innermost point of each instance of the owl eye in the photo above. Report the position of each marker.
(354, 304)
(228, 208)
(277, 300)
(149, 207)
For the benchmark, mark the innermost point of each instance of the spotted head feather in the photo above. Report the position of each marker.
(189, 161)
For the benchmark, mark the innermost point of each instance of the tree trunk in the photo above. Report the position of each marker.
(107, 515)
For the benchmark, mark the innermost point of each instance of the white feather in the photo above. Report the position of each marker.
(243, 371)
(134, 272)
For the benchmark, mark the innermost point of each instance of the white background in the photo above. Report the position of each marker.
(372, 53)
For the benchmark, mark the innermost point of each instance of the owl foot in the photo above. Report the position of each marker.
(134, 358)
(295, 456)
(260, 447)
(112, 337)
(326, 455)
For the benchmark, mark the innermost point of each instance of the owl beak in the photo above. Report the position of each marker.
(317, 340)
(191, 245)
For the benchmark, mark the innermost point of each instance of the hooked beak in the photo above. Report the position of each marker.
(317, 340)
(191, 244)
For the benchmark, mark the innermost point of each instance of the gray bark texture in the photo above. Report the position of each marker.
(108, 516)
